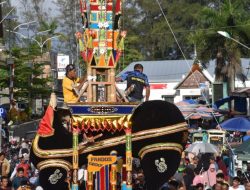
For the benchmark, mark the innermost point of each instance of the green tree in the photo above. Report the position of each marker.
(155, 38)
(69, 20)
(234, 18)
(29, 83)
(4, 77)
(28, 72)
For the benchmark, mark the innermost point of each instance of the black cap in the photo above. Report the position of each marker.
(69, 68)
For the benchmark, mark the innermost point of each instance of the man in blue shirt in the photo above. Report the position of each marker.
(18, 179)
(136, 81)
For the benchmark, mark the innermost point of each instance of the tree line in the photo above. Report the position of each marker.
(194, 23)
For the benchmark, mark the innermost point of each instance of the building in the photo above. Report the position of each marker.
(171, 79)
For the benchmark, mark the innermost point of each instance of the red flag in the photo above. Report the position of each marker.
(46, 125)
(118, 7)
(118, 55)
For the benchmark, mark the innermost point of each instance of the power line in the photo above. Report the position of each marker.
(189, 66)
(203, 29)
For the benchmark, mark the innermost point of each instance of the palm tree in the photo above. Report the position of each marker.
(233, 18)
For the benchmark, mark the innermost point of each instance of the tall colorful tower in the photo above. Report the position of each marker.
(101, 44)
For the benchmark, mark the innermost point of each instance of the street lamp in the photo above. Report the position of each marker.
(10, 60)
(22, 24)
(43, 31)
(26, 37)
(41, 44)
(225, 34)
(2, 2)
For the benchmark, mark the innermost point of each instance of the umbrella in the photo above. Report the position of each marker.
(243, 148)
(190, 101)
(201, 147)
(196, 111)
(236, 124)
(243, 151)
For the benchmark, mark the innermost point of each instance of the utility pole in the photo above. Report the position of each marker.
(1, 24)
(10, 63)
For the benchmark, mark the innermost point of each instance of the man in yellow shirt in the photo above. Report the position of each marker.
(69, 82)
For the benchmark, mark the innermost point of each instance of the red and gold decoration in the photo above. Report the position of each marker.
(101, 43)
(101, 123)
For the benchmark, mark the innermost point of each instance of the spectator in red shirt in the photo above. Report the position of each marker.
(23, 164)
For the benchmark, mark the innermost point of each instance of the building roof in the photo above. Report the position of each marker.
(194, 78)
(175, 70)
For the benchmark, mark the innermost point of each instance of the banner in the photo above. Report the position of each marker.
(62, 62)
(95, 163)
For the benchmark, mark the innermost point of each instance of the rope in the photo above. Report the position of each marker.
(196, 80)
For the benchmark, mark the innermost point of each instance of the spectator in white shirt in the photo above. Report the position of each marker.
(236, 184)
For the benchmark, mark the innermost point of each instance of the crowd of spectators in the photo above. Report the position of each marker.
(16, 172)
(200, 172)
(196, 172)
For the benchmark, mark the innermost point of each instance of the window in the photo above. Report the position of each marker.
(168, 98)
(191, 97)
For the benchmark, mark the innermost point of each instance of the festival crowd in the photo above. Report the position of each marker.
(15, 170)
(200, 172)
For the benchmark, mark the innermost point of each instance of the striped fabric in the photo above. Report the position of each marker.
(102, 179)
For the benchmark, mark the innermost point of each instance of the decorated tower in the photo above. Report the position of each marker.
(101, 44)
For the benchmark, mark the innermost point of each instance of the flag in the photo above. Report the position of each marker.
(46, 125)
(118, 55)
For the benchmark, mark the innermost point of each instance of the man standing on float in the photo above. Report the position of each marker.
(69, 84)
(136, 81)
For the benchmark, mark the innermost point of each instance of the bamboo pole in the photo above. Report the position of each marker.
(112, 87)
(75, 160)
(113, 177)
(129, 158)
(89, 90)
(90, 180)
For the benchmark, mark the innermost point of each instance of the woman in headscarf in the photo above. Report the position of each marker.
(209, 176)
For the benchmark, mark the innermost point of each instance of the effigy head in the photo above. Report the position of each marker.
(51, 150)
(160, 134)
(62, 117)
